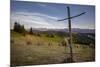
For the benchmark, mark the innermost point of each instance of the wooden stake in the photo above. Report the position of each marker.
(70, 34)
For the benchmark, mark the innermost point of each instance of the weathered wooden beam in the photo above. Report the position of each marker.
(72, 16)
(70, 34)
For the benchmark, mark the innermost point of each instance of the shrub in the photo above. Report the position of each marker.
(63, 42)
(50, 35)
(29, 42)
(30, 31)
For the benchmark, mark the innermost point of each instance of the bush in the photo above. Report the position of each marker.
(63, 42)
(50, 35)
(29, 43)
(30, 31)
(38, 34)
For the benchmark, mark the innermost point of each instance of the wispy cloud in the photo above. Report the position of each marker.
(42, 5)
(35, 20)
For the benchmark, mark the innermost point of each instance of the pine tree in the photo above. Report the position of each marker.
(19, 28)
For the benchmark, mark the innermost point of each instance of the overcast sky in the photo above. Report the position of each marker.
(45, 15)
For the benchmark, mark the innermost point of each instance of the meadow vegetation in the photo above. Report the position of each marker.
(32, 48)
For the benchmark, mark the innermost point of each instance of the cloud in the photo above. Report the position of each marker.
(36, 20)
(42, 5)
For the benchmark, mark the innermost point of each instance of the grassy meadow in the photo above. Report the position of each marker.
(30, 49)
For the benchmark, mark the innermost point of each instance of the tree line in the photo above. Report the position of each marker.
(21, 29)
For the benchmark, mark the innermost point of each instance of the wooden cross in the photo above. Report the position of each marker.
(70, 30)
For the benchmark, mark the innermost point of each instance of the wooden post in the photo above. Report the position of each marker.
(70, 34)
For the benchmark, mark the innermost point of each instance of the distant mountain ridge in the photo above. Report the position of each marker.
(75, 30)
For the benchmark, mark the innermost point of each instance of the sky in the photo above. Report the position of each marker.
(46, 15)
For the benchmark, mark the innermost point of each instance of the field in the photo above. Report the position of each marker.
(32, 50)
